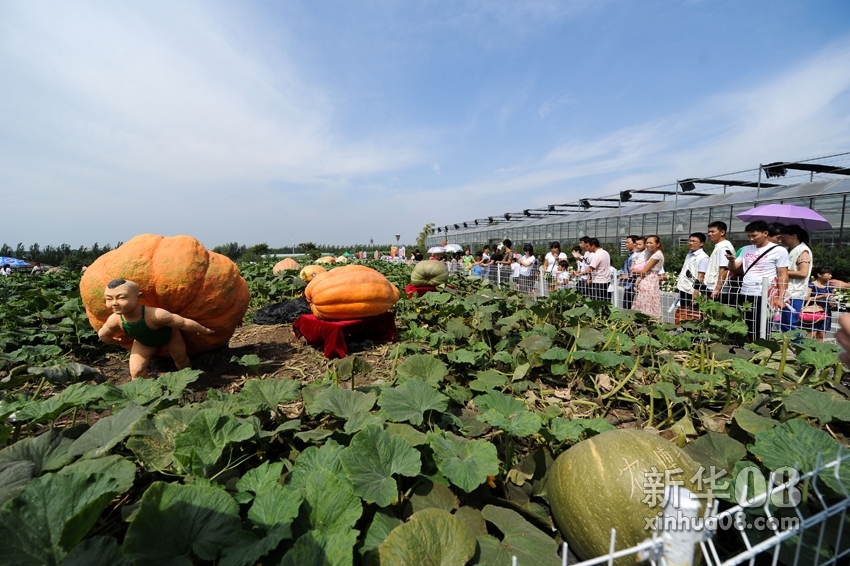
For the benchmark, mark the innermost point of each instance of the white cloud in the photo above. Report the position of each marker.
(436, 168)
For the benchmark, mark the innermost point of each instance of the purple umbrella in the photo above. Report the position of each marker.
(787, 214)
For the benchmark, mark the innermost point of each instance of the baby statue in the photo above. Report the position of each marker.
(147, 329)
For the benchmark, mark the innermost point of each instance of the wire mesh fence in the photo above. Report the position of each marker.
(759, 530)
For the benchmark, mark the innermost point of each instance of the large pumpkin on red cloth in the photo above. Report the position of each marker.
(175, 273)
(350, 292)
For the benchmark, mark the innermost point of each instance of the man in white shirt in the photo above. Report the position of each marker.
(550, 263)
(628, 279)
(762, 259)
(599, 270)
(718, 266)
(693, 270)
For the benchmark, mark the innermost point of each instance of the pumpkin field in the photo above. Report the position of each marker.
(439, 448)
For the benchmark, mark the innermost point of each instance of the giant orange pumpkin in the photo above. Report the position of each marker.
(285, 264)
(177, 274)
(349, 292)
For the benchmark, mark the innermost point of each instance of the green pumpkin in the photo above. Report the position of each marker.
(429, 273)
(607, 482)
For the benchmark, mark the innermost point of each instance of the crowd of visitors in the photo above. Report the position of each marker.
(776, 253)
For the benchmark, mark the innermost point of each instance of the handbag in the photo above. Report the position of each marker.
(812, 313)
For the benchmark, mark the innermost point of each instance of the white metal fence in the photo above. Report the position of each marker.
(760, 317)
(812, 535)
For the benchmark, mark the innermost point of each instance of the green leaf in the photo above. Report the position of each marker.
(276, 506)
(466, 463)
(587, 338)
(107, 432)
(432, 537)
(341, 403)
(371, 460)
(121, 470)
(77, 395)
(330, 505)
(508, 414)
(51, 516)
(820, 359)
(572, 429)
(718, 450)
(503, 357)
(96, 551)
(487, 380)
(382, 524)
(176, 521)
(203, 441)
(557, 353)
(313, 460)
(14, 476)
(820, 405)
(407, 432)
(410, 400)
(529, 544)
(335, 549)
(797, 442)
(464, 356)
(47, 451)
(429, 494)
(753, 422)
(423, 366)
(177, 381)
(263, 477)
(153, 439)
(270, 393)
(140, 391)
(66, 373)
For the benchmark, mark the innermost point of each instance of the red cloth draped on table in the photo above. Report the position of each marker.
(332, 334)
(418, 290)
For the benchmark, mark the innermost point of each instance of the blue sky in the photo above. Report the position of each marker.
(337, 122)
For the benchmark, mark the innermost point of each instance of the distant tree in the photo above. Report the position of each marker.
(231, 249)
(260, 249)
(310, 250)
(423, 235)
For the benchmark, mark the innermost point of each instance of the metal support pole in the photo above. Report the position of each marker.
(765, 307)
(758, 186)
(682, 513)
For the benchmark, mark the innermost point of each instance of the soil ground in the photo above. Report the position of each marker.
(283, 356)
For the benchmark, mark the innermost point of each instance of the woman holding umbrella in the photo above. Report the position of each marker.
(796, 239)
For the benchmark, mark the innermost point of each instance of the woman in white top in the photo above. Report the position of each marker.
(795, 239)
(527, 265)
(648, 297)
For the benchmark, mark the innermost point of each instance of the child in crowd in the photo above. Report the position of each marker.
(562, 274)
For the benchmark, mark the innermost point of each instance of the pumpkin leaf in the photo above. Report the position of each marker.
(382, 524)
(572, 429)
(797, 442)
(51, 516)
(204, 439)
(96, 551)
(718, 450)
(429, 494)
(466, 463)
(107, 432)
(334, 549)
(464, 356)
(330, 505)
(820, 359)
(431, 537)
(423, 366)
(508, 414)
(521, 539)
(262, 478)
(407, 432)
(176, 521)
(341, 403)
(269, 393)
(371, 460)
(410, 400)
(314, 459)
(76, 395)
(121, 470)
(556, 354)
(818, 404)
(14, 476)
(487, 380)
(176, 382)
(47, 451)
(275, 507)
(753, 422)
(153, 439)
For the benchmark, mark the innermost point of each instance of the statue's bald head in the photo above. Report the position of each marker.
(130, 286)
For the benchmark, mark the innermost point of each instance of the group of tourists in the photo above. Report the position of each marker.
(777, 254)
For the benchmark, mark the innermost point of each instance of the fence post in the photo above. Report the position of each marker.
(544, 285)
(615, 287)
(765, 307)
(682, 513)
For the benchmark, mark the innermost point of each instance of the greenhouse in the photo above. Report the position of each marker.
(673, 211)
